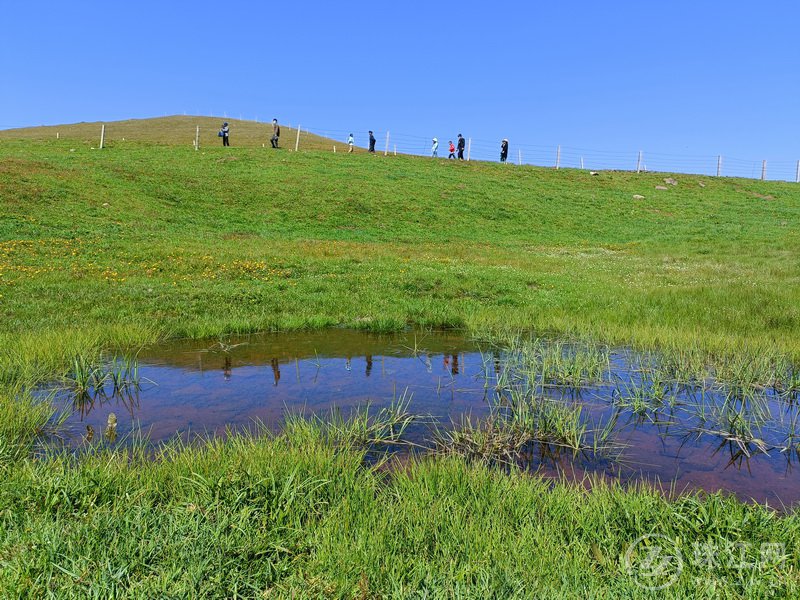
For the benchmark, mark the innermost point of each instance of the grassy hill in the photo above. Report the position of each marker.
(149, 238)
(168, 240)
(172, 131)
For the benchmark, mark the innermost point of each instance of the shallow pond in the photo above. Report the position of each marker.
(190, 386)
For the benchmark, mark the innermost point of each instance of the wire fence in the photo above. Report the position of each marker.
(567, 157)
(202, 131)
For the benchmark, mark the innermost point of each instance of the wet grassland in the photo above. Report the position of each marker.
(104, 252)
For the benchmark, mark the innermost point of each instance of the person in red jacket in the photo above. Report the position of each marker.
(452, 151)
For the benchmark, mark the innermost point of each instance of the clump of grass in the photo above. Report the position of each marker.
(516, 372)
(95, 377)
(489, 440)
(364, 427)
(556, 362)
(25, 421)
(86, 375)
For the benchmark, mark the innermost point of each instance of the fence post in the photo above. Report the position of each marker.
(386, 152)
(797, 176)
(519, 154)
(395, 149)
(469, 148)
(558, 157)
(297, 141)
(581, 163)
(102, 135)
(197, 138)
(639, 162)
(719, 165)
(763, 170)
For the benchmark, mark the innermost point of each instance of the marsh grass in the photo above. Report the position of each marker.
(100, 378)
(364, 427)
(27, 422)
(538, 392)
(516, 372)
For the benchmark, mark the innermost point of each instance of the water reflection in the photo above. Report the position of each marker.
(693, 434)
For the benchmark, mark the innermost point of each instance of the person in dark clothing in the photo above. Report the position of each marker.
(503, 150)
(276, 133)
(371, 142)
(461, 144)
(224, 133)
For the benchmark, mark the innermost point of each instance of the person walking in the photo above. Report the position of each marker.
(224, 133)
(276, 133)
(461, 145)
(452, 151)
(504, 150)
(435, 148)
(350, 141)
(371, 143)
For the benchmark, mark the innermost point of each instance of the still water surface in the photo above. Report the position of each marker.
(206, 387)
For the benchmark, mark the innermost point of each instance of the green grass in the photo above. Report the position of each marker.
(103, 251)
(146, 241)
(294, 516)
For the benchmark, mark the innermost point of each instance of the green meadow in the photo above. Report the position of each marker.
(147, 239)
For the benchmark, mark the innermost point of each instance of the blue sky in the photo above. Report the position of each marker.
(680, 80)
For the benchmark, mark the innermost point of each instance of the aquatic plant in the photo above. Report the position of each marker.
(364, 427)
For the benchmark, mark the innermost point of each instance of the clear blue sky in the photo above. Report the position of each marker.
(679, 78)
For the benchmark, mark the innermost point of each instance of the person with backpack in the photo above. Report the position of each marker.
(224, 133)
(371, 143)
(276, 133)
(435, 148)
(350, 141)
(461, 145)
(452, 151)
(504, 150)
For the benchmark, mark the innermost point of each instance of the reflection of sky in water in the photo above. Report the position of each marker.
(197, 390)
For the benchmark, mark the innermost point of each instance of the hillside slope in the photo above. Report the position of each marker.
(162, 239)
(173, 131)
